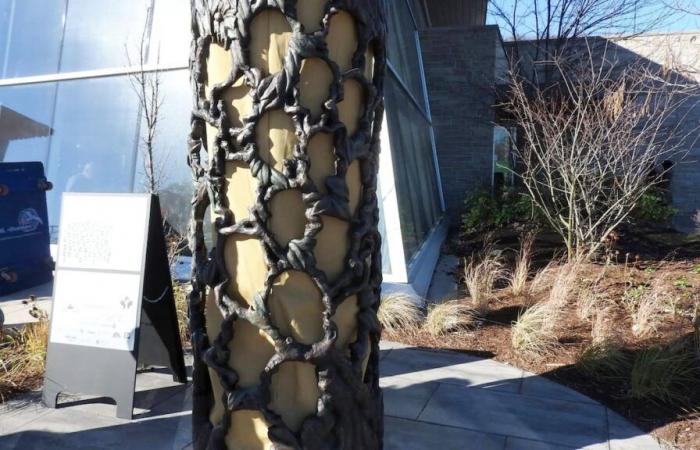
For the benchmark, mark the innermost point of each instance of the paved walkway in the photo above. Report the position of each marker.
(433, 400)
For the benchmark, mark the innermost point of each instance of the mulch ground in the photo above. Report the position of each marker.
(657, 263)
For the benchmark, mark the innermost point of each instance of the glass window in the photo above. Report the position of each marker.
(30, 36)
(98, 33)
(94, 136)
(25, 118)
(502, 157)
(170, 150)
(170, 37)
(414, 167)
(419, 13)
(402, 49)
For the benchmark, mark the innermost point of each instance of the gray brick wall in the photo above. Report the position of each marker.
(459, 66)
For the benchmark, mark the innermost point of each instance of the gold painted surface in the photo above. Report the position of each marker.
(275, 137)
(332, 246)
(237, 100)
(310, 14)
(322, 159)
(294, 393)
(353, 104)
(315, 78)
(248, 431)
(296, 308)
(369, 64)
(295, 302)
(270, 35)
(287, 220)
(251, 349)
(342, 40)
(245, 261)
(345, 318)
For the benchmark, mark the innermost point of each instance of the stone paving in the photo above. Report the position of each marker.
(433, 400)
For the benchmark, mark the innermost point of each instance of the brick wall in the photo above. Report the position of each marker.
(459, 66)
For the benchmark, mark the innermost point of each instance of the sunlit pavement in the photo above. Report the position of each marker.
(432, 400)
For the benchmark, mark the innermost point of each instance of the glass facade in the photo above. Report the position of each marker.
(86, 127)
(66, 94)
(410, 128)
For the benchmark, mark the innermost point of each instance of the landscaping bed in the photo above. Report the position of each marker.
(620, 330)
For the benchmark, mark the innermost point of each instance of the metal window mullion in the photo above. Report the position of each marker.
(426, 100)
(85, 74)
(405, 89)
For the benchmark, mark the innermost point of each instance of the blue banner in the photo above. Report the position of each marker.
(25, 258)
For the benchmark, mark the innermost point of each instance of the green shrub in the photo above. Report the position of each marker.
(486, 211)
(653, 207)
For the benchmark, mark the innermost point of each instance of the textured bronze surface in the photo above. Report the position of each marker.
(350, 408)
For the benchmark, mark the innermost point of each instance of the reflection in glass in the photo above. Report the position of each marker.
(402, 49)
(93, 144)
(30, 37)
(169, 45)
(25, 122)
(502, 158)
(414, 168)
(98, 33)
(170, 150)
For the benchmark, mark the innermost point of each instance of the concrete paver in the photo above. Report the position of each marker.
(433, 400)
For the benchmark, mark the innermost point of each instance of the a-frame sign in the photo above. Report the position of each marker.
(113, 303)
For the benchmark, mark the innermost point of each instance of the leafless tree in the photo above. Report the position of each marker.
(549, 25)
(684, 6)
(146, 83)
(593, 140)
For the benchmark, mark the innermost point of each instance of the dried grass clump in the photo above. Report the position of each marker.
(399, 312)
(534, 332)
(180, 292)
(564, 283)
(542, 280)
(517, 280)
(664, 374)
(646, 308)
(448, 317)
(480, 276)
(587, 304)
(23, 352)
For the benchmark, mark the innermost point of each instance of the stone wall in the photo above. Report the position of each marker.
(460, 66)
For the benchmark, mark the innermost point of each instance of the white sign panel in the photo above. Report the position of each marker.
(105, 232)
(96, 309)
(97, 288)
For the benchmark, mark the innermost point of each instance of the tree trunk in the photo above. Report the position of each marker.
(288, 106)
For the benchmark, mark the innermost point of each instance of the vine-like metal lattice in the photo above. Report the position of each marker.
(349, 411)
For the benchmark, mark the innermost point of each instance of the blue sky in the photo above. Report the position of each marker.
(673, 21)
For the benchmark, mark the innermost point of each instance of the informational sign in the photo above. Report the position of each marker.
(113, 305)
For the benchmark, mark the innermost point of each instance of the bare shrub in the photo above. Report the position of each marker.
(521, 271)
(534, 331)
(399, 312)
(590, 138)
(449, 316)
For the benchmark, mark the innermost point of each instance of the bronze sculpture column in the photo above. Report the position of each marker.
(284, 151)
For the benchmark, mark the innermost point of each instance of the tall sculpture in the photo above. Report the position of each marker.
(284, 151)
